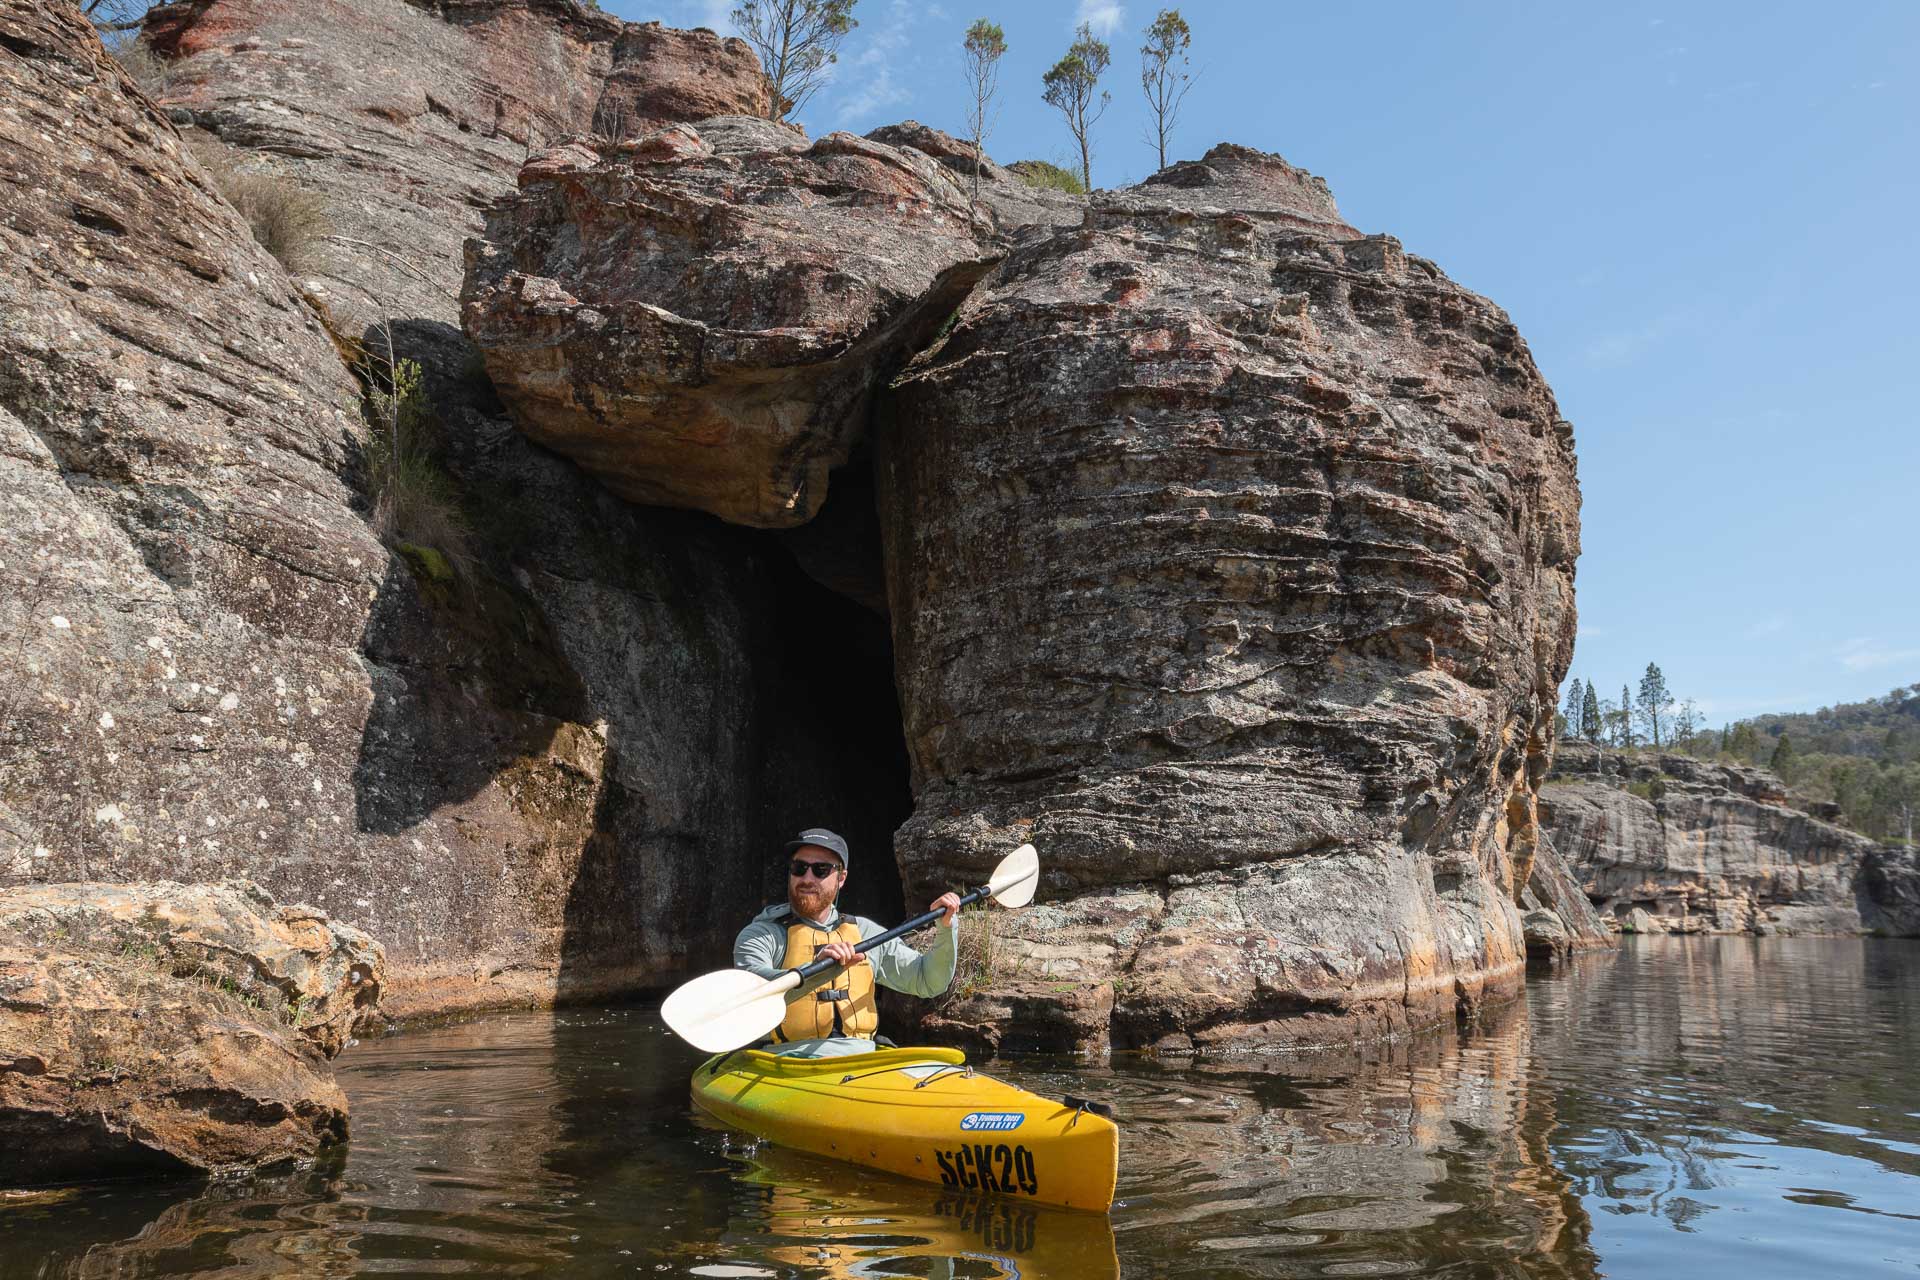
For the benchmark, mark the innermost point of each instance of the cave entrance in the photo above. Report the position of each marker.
(840, 760)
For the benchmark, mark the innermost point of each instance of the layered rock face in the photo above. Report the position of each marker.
(165, 1028)
(412, 117)
(1670, 844)
(700, 323)
(557, 777)
(1230, 555)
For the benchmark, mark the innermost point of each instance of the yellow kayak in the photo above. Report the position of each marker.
(920, 1113)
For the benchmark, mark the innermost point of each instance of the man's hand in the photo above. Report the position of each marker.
(844, 952)
(949, 903)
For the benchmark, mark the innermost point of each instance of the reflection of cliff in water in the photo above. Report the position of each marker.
(1713, 1106)
(1418, 1155)
(1709, 1077)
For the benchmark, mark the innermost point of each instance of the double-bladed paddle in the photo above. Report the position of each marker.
(732, 1007)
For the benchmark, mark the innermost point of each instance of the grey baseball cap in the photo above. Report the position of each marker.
(825, 839)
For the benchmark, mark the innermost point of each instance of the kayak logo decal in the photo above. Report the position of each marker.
(992, 1121)
(987, 1167)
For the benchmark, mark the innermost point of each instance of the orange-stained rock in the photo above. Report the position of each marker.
(157, 1027)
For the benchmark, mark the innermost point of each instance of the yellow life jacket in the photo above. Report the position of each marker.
(841, 1007)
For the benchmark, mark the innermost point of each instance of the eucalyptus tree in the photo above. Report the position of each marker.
(797, 40)
(983, 47)
(1070, 86)
(1163, 75)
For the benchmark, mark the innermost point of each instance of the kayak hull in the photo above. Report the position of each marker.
(922, 1114)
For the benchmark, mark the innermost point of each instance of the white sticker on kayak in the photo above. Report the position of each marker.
(992, 1121)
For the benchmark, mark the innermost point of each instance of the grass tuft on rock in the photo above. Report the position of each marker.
(416, 508)
(1048, 176)
(290, 221)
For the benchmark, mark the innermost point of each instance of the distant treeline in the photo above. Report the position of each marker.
(1862, 756)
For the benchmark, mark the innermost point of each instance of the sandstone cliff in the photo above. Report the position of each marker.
(1666, 843)
(559, 776)
(1231, 561)
(1226, 552)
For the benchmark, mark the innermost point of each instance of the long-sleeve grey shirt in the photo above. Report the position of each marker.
(762, 948)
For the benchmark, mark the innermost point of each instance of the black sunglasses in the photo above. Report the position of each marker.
(821, 870)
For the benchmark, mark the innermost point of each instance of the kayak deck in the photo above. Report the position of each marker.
(920, 1113)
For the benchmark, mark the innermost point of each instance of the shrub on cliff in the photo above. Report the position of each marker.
(288, 220)
(1047, 176)
(415, 507)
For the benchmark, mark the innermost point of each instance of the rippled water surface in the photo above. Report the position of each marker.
(1682, 1108)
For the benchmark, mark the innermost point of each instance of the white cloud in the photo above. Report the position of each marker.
(714, 15)
(1104, 16)
(1769, 625)
(871, 72)
(1864, 653)
(1590, 633)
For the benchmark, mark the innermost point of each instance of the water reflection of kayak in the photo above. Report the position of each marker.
(923, 1114)
(840, 1220)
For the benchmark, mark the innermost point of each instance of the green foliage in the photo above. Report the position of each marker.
(975, 967)
(797, 40)
(1590, 722)
(1163, 73)
(1569, 723)
(984, 46)
(1781, 762)
(1654, 703)
(1069, 86)
(1047, 176)
(416, 508)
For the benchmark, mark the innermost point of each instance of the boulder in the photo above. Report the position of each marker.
(1230, 555)
(704, 329)
(161, 1027)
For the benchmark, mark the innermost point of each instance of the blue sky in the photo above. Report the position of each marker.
(1705, 217)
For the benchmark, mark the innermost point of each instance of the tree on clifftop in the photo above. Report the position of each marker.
(1783, 756)
(1576, 700)
(1069, 89)
(985, 45)
(1625, 712)
(1164, 78)
(797, 41)
(1590, 715)
(1651, 709)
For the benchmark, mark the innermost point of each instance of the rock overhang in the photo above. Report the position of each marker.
(704, 326)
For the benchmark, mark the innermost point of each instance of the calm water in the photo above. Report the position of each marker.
(1683, 1108)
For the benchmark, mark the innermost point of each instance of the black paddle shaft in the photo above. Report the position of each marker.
(825, 963)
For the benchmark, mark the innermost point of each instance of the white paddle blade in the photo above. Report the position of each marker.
(1017, 877)
(726, 1009)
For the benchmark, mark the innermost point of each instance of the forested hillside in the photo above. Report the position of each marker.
(1862, 756)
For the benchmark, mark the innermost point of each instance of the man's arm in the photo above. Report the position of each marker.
(760, 948)
(899, 966)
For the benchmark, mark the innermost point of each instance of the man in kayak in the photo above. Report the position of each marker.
(836, 1014)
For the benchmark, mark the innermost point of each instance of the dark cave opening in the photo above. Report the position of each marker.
(829, 675)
